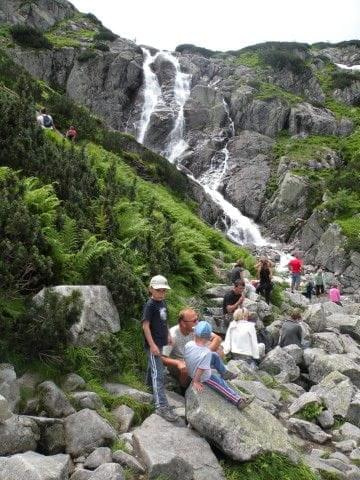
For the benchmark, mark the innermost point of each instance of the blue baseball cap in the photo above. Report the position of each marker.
(203, 329)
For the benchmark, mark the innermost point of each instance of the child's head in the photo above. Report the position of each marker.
(203, 332)
(241, 314)
(158, 287)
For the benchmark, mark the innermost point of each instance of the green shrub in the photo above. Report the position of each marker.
(268, 466)
(343, 202)
(105, 35)
(93, 18)
(311, 411)
(281, 60)
(29, 37)
(277, 296)
(101, 46)
(86, 55)
(43, 331)
(343, 79)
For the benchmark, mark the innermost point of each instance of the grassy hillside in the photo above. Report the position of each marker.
(91, 213)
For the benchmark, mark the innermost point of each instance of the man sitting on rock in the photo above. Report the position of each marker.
(181, 334)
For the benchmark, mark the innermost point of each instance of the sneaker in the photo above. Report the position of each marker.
(167, 414)
(244, 402)
(229, 375)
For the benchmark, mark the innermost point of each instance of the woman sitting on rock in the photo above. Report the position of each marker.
(240, 339)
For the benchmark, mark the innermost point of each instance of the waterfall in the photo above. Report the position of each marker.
(152, 94)
(239, 228)
(177, 145)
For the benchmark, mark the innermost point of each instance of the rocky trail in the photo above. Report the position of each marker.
(308, 401)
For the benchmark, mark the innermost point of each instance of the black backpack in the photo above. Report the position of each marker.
(47, 121)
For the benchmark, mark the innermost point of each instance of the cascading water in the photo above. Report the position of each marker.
(239, 228)
(152, 94)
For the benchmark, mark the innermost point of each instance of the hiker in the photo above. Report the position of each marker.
(237, 272)
(240, 339)
(295, 266)
(264, 269)
(155, 328)
(319, 282)
(45, 120)
(181, 334)
(71, 134)
(199, 361)
(291, 332)
(334, 295)
(308, 289)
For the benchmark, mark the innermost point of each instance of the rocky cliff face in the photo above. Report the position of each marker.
(240, 101)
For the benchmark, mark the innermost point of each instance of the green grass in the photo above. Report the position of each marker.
(269, 91)
(119, 444)
(304, 148)
(350, 227)
(269, 466)
(249, 59)
(60, 41)
(311, 411)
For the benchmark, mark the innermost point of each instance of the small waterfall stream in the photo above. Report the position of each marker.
(239, 228)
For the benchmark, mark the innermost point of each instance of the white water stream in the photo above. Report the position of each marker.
(239, 228)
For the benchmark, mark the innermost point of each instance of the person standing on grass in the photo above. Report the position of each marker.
(199, 363)
(156, 333)
(295, 266)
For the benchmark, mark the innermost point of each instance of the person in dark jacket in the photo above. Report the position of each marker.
(237, 272)
(264, 274)
(291, 332)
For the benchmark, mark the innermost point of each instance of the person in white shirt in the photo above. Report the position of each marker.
(240, 339)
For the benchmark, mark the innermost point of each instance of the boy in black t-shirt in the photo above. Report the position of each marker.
(155, 327)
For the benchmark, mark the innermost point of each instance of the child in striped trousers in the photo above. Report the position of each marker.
(200, 360)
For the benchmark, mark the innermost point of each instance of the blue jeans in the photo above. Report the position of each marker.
(217, 363)
(155, 375)
(295, 280)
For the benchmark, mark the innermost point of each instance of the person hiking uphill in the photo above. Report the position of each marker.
(45, 120)
(71, 134)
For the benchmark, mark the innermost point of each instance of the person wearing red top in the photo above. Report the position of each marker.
(295, 266)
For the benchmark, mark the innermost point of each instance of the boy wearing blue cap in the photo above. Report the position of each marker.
(199, 360)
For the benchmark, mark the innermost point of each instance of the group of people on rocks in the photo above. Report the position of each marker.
(190, 350)
(314, 285)
(46, 121)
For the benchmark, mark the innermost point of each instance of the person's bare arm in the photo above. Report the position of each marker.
(234, 306)
(196, 380)
(173, 362)
(154, 349)
(215, 342)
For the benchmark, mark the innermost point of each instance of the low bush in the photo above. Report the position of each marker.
(285, 60)
(311, 411)
(86, 55)
(105, 35)
(343, 79)
(268, 466)
(29, 37)
(101, 46)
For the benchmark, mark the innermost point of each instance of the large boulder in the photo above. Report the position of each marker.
(321, 364)
(307, 119)
(9, 385)
(85, 431)
(238, 434)
(41, 14)
(288, 205)
(108, 471)
(98, 314)
(336, 391)
(281, 365)
(349, 324)
(331, 252)
(18, 434)
(173, 452)
(204, 109)
(34, 466)
(5, 412)
(328, 341)
(54, 401)
(316, 314)
(308, 430)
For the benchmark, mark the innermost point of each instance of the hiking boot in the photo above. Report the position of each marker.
(244, 402)
(167, 414)
(229, 375)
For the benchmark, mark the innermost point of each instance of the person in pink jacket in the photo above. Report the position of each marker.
(334, 295)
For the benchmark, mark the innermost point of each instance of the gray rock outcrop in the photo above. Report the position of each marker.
(239, 434)
(173, 451)
(34, 466)
(98, 314)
